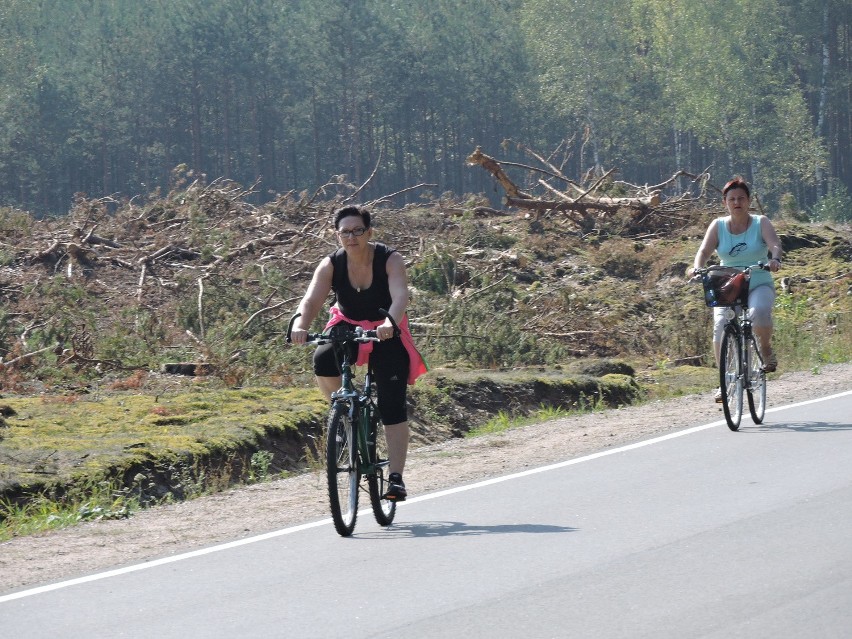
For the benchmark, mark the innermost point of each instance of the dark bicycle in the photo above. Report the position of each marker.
(355, 444)
(741, 366)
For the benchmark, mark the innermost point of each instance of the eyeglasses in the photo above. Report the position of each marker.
(353, 233)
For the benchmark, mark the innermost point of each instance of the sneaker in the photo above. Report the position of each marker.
(771, 363)
(396, 488)
(718, 396)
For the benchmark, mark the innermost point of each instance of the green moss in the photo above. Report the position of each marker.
(55, 439)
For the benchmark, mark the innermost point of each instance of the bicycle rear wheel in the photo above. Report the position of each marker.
(377, 448)
(342, 470)
(731, 380)
(756, 382)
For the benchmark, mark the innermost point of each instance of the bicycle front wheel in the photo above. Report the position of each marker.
(756, 382)
(377, 481)
(731, 380)
(342, 470)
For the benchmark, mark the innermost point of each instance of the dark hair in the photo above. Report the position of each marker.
(736, 183)
(349, 211)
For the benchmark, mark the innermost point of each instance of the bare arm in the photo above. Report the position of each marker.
(767, 230)
(312, 302)
(398, 285)
(708, 245)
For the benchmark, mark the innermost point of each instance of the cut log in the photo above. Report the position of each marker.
(193, 369)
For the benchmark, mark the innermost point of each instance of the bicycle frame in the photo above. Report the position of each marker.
(361, 411)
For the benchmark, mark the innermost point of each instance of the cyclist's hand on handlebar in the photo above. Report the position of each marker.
(299, 336)
(385, 331)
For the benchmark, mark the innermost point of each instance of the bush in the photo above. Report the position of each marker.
(436, 273)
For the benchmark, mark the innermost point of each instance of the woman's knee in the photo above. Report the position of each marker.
(761, 318)
(761, 301)
(392, 400)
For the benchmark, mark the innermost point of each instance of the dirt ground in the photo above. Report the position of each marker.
(244, 512)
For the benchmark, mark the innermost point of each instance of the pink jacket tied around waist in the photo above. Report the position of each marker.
(417, 365)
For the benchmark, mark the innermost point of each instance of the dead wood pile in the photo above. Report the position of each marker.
(586, 205)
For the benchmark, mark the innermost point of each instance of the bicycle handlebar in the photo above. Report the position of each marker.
(357, 335)
(698, 272)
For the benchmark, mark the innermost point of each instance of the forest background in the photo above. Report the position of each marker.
(107, 97)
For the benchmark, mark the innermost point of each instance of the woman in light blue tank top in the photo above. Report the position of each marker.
(743, 239)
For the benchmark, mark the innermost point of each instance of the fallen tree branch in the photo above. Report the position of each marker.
(492, 166)
(390, 196)
(27, 356)
(91, 238)
(579, 205)
(597, 183)
(485, 288)
(201, 306)
(354, 194)
(264, 310)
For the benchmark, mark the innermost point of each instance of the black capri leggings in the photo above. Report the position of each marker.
(389, 361)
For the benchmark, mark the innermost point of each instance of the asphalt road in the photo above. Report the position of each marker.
(701, 533)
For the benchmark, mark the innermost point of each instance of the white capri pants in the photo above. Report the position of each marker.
(760, 302)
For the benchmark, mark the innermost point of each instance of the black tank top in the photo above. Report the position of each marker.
(362, 305)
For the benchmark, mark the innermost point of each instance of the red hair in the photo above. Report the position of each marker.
(736, 183)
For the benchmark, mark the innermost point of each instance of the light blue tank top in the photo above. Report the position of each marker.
(744, 249)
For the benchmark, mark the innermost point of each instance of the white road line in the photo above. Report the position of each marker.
(316, 524)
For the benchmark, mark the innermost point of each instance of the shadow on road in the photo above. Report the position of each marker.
(801, 427)
(447, 528)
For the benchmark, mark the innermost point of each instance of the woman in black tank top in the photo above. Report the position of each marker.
(362, 303)
(365, 276)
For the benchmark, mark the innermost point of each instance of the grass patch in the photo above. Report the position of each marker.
(804, 339)
(504, 421)
(89, 502)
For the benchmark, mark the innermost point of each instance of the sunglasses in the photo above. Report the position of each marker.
(737, 248)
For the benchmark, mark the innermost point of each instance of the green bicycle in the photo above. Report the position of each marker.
(355, 444)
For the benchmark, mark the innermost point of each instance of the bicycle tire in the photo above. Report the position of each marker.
(342, 470)
(731, 379)
(384, 510)
(756, 390)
